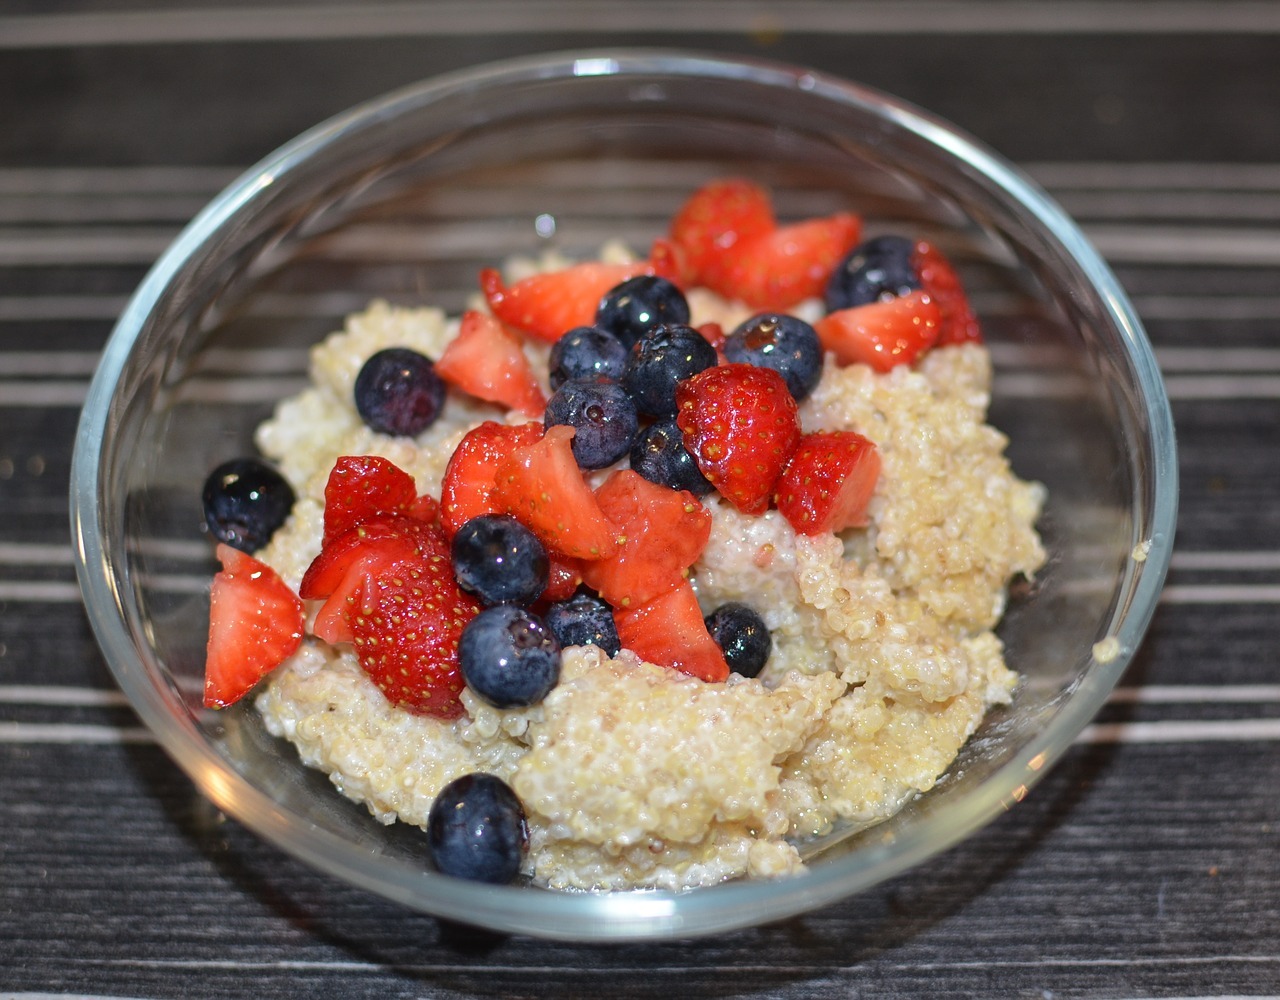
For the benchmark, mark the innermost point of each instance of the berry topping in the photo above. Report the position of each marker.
(602, 415)
(939, 279)
(398, 392)
(245, 501)
(363, 487)
(663, 357)
(716, 218)
(740, 424)
(499, 560)
(670, 631)
(563, 578)
(882, 334)
(639, 304)
(661, 532)
(255, 623)
(743, 637)
(881, 268)
(476, 830)
(509, 657)
(468, 489)
(542, 485)
(658, 453)
(587, 352)
(548, 304)
(828, 482)
(584, 620)
(486, 361)
(788, 345)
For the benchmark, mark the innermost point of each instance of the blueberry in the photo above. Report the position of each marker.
(509, 657)
(742, 636)
(245, 501)
(398, 392)
(499, 560)
(602, 415)
(659, 455)
(476, 830)
(663, 357)
(587, 352)
(584, 620)
(788, 345)
(880, 268)
(637, 305)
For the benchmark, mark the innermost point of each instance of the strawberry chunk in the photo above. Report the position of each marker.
(716, 218)
(362, 487)
(775, 270)
(958, 324)
(468, 489)
(670, 631)
(547, 305)
(882, 334)
(391, 537)
(563, 577)
(255, 623)
(487, 361)
(828, 482)
(741, 425)
(541, 485)
(662, 531)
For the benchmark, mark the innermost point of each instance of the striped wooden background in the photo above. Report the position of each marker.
(1147, 864)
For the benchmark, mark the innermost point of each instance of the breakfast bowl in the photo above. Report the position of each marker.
(406, 199)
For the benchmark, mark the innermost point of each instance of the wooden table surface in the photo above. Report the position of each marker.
(1145, 865)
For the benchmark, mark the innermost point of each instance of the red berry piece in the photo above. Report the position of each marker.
(828, 482)
(938, 278)
(548, 305)
(485, 360)
(670, 631)
(718, 217)
(362, 487)
(740, 424)
(255, 623)
(882, 334)
(468, 489)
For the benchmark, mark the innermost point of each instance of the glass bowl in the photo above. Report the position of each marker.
(405, 198)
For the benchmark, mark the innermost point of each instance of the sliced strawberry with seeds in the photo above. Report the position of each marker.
(882, 334)
(740, 424)
(549, 304)
(563, 578)
(255, 623)
(393, 537)
(468, 488)
(662, 532)
(776, 270)
(828, 482)
(485, 360)
(716, 218)
(362, 487)
(670, 631)
(938, 278)
(542, 486)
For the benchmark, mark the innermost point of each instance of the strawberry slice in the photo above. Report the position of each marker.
(716, 218)
(393, 536)
(255, 623)
(547, 305)
(542, 486)
(740, 424)
(563, 577)
(663, 531)
(670, 631)
(468, 488)
(882, 334)
(828, 482)
(362, 487)
(486, 361)
(775, 270)
(938, 278)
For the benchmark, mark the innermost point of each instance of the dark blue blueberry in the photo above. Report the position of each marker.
(631, 309)
(500, 560)
(660, 456)
(245, 501)
(602, 415)
(788, 345)
(584, 620)
(878, 269)
(662, 358)
(476, 830)
(509, 657)
(587, 352)
(398, 392)
(742, 636)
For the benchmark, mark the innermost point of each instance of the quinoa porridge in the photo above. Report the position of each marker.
(884, 660)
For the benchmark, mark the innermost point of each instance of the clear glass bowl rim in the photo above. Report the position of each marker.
(630, 915)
